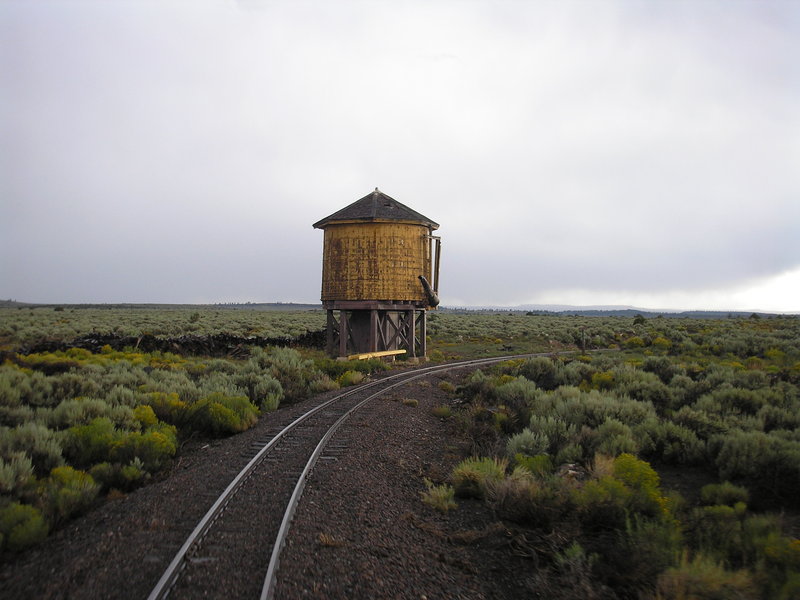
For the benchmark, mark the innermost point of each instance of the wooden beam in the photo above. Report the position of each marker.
(330, 337)
(380, 354)
(344, 332)
(373, 330)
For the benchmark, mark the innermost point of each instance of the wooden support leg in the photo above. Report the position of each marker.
(373, 331)
(423, 333)
(344, 332)
(330, 348)
(412, 346)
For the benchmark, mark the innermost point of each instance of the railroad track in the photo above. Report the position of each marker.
(246, 527)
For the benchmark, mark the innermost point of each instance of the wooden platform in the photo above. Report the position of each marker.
(367, 327)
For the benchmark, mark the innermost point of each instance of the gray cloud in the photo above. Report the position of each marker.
(175, 152)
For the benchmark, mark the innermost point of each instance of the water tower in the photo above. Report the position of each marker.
(380, 272)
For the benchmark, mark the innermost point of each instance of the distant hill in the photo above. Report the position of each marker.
(613, 311)
(267, 306)
(219, 306)
(536, 309)
(14, 304)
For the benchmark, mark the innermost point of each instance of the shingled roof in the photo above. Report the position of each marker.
(376, 206)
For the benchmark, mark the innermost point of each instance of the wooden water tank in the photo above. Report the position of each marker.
(376, 249)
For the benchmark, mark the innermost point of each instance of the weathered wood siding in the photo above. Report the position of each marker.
(375, 261)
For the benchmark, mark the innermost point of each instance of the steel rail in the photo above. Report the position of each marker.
(172, 572)
(268, 589)
(170, 575)
(280, 540)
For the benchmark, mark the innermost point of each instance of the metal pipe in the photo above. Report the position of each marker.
(436, 269)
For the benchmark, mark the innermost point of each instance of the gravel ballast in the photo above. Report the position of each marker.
(360, 531)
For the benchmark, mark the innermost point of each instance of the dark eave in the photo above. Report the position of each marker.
(376, 206)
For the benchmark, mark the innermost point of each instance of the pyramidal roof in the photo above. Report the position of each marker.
(376, 206)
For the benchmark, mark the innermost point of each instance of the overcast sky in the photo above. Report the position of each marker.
(596, 152)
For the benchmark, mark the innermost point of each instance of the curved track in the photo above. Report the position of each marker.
(246, 527)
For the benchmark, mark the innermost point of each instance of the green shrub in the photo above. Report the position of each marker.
(145, 414)
(631, 560)
(154, 447)
(447, 387)
(68, 492)
(168, 407)
(88, 444)
(11, 416)
(644, 482)
(478, 388)
(685, 390)
(558, 432)
(661, 366)
(602, 503)
(335, 368)
(703, 424)
(767, 464)
(669, 442)
(443, 411)
(613, 438)
(472, 477)
(80, 411)
(67, 386)
(478, 426)
(775, 556)
(644, 387)
(603, 381)
(21, 526)
(270, 403)
(575, 373)
(440, 497)
(267, 393)
(717, 530)
(39, 443)
(573, 572)
(122, 396)
(539, 466)
(172, 382)
(723, 493)
(703, 577)
(11, 380)
(261, 388)
(592, 408)
(118, 476)
(436, 355)
(525, 499)
(37, 390)
(609, 500)
(570, 453)
(774, 417)
(527, 443)
(299, 378)
(634, 342)
(518, 395)
(16, 473)
(220, 415)
(733, 400)
(349, 378)
(541, 371)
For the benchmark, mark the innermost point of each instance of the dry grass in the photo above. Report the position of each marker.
(329, 541)
(439, 497)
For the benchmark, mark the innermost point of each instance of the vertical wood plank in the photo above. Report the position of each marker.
(344, 332)
(329, 337)
(373, 331)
